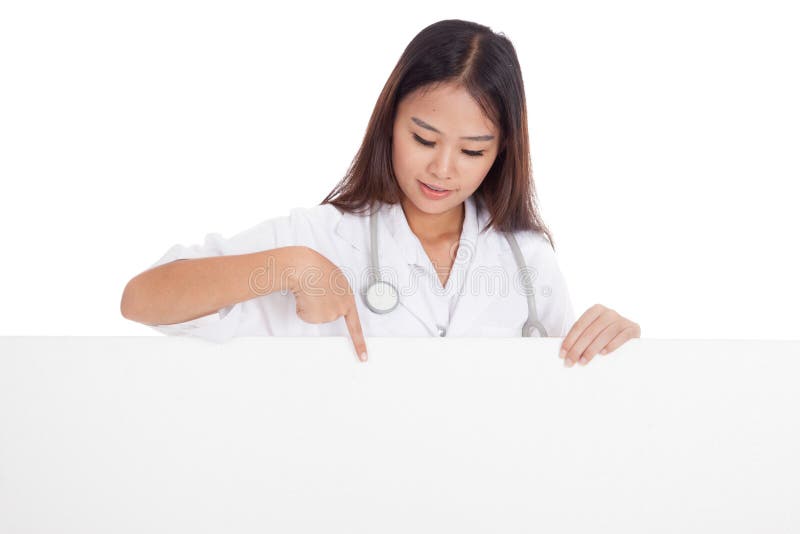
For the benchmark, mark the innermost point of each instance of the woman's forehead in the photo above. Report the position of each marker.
(448, 109)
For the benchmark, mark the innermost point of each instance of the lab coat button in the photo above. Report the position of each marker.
(442, 331)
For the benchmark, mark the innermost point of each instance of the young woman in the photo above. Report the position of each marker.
(433, 231)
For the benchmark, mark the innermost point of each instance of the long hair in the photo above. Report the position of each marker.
(485, 64)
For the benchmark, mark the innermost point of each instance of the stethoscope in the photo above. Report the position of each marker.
(382, 296)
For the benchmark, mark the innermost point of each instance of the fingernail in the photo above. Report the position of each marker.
(567, 362)
(583, 361)
(363, 356)
(604, 351)
(562, 353)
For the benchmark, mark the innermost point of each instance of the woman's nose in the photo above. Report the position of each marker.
(440, 166)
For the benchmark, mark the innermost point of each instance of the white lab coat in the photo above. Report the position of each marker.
(483, 297)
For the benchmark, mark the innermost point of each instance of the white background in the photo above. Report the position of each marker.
(664, 142)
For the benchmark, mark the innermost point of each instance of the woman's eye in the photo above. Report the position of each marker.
(473, 153)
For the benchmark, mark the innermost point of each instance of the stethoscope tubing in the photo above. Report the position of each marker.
(531, 324)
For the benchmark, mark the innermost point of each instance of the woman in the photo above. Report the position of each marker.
(444, 175)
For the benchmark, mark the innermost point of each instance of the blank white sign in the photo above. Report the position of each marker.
(170, 434)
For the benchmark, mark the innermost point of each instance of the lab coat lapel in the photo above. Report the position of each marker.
(394, 264)
(487, 267)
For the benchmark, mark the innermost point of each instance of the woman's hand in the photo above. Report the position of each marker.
(599, 329)
(323, 294)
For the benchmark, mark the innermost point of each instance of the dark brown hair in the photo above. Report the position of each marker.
(485, 64)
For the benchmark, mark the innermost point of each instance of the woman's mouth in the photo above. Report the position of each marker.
(432, 193)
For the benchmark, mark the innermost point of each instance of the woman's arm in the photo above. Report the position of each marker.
(186, 289)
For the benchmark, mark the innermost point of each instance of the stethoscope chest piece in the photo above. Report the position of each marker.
(381, 297)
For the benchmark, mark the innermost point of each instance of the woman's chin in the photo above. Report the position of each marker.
(431, 207)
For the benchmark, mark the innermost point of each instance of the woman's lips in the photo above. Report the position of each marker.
(430, 193)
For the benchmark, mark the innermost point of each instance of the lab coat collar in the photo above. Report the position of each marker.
(393, 219)
(409, 243)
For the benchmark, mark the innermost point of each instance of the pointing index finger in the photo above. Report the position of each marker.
(356, 333)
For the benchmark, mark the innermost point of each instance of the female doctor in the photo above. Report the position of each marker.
(433, 231)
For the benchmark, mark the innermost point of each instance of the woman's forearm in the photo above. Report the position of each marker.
(183, 290)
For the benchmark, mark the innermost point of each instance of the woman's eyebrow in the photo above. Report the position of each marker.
(427, 126)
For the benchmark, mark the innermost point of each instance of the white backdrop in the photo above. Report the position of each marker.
(664, 140)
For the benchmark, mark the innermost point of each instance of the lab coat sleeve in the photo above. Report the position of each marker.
(222, 325)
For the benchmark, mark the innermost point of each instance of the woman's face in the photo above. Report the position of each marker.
(428, 146)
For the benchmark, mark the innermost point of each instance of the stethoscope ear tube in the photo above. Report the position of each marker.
(379, 296)
(533, 318)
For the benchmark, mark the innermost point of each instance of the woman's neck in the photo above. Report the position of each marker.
(432, 228)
